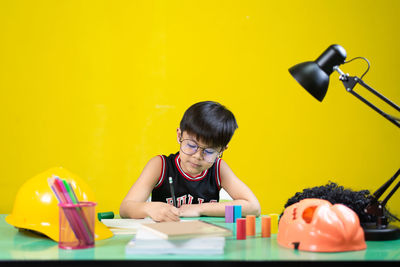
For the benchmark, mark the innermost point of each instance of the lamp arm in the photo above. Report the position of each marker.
(390, 194)
(350, 82)
(378, 193)
(360, 81)
(375, 207)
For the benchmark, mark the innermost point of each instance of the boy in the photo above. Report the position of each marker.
(197, 172)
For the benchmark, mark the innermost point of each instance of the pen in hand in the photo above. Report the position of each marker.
(171, 187)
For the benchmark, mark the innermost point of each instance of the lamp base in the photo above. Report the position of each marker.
(372, 233)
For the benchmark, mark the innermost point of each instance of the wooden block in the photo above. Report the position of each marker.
(265, 226)
(240, 228)
(229, 214)
(237, 212)
(250, 225)
(274, 222)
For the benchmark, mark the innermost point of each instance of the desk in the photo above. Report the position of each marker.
(18, 245)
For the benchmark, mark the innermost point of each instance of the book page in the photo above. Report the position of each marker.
(126, 223)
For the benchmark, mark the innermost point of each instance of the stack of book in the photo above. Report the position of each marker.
(183, 237)
(125, 226)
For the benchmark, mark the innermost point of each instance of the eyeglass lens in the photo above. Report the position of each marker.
(190, 147)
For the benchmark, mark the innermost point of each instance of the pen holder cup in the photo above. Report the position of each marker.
(76, 225)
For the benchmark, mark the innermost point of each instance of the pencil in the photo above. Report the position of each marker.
(171, 187)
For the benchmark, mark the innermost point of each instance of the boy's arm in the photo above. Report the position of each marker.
(134, 204)
(239, 191)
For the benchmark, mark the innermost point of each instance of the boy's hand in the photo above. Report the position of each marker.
(163, 212)
(191, 210)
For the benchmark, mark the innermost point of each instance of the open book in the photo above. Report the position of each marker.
(192, 237)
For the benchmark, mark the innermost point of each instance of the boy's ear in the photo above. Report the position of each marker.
(178, 134)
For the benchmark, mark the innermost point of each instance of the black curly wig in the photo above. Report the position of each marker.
(335, 194)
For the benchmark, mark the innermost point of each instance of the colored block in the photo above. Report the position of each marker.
(250, 225)
(229, 214)
(240, 228)
(105, 215)
(237, 212)
(274, 222)
(265, 226)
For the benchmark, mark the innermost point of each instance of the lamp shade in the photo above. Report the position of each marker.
(314, 75)
(312, 78)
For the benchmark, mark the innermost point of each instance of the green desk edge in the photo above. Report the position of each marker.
(25, 245)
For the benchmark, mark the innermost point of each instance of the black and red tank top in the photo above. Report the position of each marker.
(202, 188)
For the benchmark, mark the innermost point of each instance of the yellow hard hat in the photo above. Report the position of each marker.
(36, 206)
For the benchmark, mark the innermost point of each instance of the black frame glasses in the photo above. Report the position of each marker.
(193, 147)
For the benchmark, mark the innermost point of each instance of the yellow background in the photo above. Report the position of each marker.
(99, 87)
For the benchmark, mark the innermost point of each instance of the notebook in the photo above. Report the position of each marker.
(186, 229)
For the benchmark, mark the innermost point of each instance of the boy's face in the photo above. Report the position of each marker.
(202, 159)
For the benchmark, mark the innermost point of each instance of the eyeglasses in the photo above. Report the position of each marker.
(190, 147)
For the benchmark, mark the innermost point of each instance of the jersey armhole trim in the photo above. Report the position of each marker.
(218, 173)
(162, 173)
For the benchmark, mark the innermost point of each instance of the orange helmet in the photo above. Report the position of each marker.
(317, 225)
(36, 206)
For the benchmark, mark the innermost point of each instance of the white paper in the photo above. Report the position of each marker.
(126, 223)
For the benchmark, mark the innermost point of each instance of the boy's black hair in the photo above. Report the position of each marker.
(210, 122)
(335, 194)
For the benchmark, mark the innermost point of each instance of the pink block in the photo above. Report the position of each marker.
(229, 215)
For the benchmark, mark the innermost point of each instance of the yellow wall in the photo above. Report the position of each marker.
(99, 87)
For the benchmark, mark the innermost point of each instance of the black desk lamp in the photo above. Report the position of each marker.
(314, 77)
